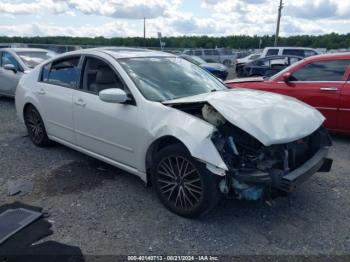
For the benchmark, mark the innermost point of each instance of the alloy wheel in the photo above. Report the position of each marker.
(35, 126)
(179, 182)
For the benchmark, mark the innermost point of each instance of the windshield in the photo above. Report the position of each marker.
(32, 59)
(285, 70)
(167, 78)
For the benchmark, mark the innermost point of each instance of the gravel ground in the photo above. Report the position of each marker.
(104, 210)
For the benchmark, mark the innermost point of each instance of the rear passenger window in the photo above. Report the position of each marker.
(64, 72)
(216, 52)
(272, 52)
(322, 71)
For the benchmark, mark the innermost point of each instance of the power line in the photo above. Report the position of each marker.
(278, 22)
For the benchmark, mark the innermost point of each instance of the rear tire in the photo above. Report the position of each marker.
(183, 184)
(35, 127)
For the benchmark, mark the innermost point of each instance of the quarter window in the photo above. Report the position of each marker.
(45, 72)
(322, 71)
(63, 72)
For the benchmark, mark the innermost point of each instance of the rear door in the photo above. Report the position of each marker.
(55, 93)
(319, 84)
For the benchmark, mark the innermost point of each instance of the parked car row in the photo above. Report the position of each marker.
(266, 66)
(176, 126)
(220, 55)
(217, 69)
(271, 60)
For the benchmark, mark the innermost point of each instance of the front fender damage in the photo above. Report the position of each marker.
(195, 134)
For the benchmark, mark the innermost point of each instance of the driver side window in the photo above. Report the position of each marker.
(98, 76)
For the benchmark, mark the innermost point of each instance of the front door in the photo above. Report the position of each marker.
(108, 129)
(318, 84)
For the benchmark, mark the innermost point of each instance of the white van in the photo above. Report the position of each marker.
(296, 51)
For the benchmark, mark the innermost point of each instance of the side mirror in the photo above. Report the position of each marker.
(113, 95)
(286, 77)
(10, 67)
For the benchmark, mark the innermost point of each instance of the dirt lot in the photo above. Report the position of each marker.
(106, 211)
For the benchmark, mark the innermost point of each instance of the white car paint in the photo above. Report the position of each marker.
(285, 50)
(122, 134)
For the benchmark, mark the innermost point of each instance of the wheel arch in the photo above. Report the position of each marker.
(155, 147)
(26, 105)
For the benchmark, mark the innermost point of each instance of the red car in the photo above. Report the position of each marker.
(322, 81)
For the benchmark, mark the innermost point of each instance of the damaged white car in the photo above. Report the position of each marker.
(174, 125)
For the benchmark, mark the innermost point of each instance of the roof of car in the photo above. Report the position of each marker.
(124, 52)
(24, 49)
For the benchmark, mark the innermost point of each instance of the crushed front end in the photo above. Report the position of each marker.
(257, 171)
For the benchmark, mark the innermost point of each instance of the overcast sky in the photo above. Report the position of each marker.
(112, 18)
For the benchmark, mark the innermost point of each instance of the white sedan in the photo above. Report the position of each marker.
(174, 125)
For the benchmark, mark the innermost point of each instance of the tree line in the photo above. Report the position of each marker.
(329, 41)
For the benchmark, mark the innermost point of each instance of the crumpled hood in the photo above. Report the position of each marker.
(271, 118)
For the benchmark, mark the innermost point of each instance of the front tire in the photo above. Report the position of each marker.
(183, 184)
(35, 127)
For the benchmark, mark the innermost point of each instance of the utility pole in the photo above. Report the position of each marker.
(144, 31)
(278, 22)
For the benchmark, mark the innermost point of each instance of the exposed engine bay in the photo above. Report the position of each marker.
(257, 171)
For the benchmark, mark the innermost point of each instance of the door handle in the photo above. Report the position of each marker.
(329, 89)
(41, 92)
(80, 102)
